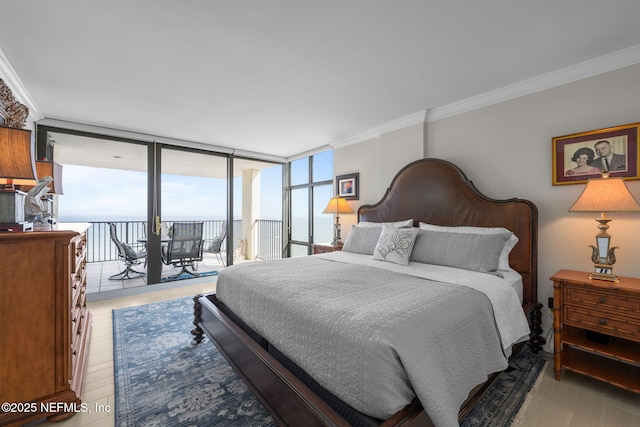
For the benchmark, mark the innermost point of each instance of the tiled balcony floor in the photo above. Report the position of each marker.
(98, 274)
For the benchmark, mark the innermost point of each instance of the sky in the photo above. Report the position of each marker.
(99, 194)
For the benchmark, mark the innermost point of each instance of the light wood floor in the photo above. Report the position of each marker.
(574, 401)
(98, 389)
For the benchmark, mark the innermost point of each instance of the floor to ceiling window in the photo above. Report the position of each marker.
(311, 187)
(128, 182)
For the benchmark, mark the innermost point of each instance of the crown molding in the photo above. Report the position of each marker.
(600, 65)
(404, 122)
(364, 136)
(603, 64)
(401, 123)
(19, 90)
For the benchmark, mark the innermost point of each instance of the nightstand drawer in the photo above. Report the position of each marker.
(602, 322)
(322, 248)
(605, 301)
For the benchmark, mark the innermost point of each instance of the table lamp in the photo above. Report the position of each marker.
(17, 166)
(337, 206)
(605, 195)
(47, 168)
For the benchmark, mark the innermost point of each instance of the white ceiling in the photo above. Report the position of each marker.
(285, 76)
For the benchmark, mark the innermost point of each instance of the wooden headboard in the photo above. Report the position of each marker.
(438, 192)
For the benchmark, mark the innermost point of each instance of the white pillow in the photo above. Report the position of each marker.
(508, 246)
(395, 245)
(399, 224)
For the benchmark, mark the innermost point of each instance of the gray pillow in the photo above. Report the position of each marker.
(395, 245)
(508, 246)
(362, 240)
(476, 252)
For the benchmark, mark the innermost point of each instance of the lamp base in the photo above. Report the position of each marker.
(12, 206)
(604, 272)
(16, 226)
(337, 240)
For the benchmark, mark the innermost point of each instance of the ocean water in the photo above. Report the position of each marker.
(130, 228)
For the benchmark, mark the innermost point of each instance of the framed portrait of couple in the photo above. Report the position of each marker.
(582, 156)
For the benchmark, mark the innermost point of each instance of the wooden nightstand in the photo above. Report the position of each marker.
(321, 248)
(597, 328)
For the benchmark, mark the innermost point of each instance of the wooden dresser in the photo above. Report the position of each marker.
(44, 323)
(597, 328)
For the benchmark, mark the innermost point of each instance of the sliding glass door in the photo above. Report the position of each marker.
(190, 195)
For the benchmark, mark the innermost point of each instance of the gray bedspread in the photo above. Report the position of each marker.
(374, 338)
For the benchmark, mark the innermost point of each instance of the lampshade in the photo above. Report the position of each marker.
(606, 195)
(16, 156)
(46, 168)
(337, 205)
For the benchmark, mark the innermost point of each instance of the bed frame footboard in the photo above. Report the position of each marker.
(289, 401)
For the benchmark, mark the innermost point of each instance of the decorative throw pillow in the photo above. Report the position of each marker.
(362, 240)
(398, 224)
(506, 250)
(476, 252)
(395, 245)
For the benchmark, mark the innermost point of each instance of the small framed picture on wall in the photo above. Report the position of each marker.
(347, 186)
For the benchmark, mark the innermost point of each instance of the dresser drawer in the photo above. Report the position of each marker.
(609, 301)
(602, 322)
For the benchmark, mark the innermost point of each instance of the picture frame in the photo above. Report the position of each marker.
(579, 157)
(347, 186)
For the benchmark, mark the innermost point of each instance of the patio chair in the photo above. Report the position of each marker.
(185, 247)
(129, 255)
(214, 246)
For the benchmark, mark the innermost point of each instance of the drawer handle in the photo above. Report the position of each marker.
(602, 300)
(602, 322)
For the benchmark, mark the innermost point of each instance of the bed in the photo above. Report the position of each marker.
(329, 385)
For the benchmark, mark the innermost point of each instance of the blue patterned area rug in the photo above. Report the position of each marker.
(184, 276)
(500, 404)
(162, 379)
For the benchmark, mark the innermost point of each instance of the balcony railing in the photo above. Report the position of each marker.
(267, 235)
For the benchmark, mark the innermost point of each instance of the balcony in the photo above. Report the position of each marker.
(103, 261)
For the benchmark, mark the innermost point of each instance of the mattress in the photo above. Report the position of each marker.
(504, 289)
(353, 319)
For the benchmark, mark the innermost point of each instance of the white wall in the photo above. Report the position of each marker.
(505, 149)
(398, 148)
(377, 161)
